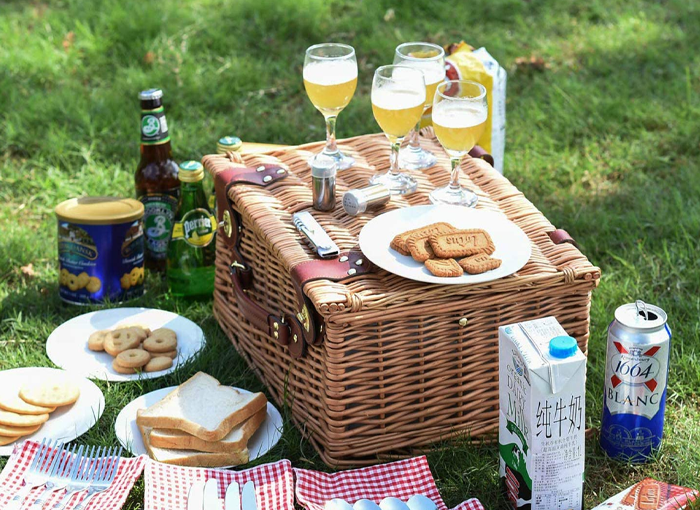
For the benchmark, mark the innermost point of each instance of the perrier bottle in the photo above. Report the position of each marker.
(157, 185)
(192, 249)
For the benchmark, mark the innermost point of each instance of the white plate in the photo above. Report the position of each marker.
(512, 245)
(67, 345)
(129, 436)
(67, 422)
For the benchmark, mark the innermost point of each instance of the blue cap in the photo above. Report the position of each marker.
(562, 347)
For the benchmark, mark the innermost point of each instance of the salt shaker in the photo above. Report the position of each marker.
(323, 172)
(357, 201)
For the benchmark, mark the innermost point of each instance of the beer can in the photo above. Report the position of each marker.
(636, 373)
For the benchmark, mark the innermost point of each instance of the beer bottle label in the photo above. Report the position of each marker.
(158, 216)
(154, 127)
(196, 228)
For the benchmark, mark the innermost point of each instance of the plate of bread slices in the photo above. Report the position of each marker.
(124, 344)
(200, 423)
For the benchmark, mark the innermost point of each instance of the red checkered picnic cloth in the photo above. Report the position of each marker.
(400, 480)
(167, 486)
(11, 480)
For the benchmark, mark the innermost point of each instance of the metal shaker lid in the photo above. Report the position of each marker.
(323, 166)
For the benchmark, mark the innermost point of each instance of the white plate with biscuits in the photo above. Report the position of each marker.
(124, 344)
(268, 432)
(507, 247)
(39, 402)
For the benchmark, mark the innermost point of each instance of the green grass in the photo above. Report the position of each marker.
(604, 141)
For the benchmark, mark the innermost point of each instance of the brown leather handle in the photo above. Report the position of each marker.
(480, 153)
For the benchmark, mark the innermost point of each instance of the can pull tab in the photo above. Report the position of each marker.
(642, 309)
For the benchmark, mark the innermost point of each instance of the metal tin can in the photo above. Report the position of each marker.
(100, 249)
(636, 373)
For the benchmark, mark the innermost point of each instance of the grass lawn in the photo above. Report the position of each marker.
(604, 141)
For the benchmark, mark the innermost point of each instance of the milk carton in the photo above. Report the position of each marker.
(542, 380)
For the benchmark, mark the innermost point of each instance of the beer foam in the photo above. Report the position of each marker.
(330, 72)
(456, 114)
(433, 72)
(396, 98)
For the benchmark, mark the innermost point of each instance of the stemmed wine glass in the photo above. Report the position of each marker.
(398, 98)
(330, 80)
(430, 60)
(459, 118)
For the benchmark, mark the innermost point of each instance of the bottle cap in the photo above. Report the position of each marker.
(228, 144)
(323, 166)
(562, 347)
(150, 94)
(191, 171)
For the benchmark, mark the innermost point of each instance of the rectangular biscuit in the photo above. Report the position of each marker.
(444, 267)
(419, 248)
(479, 263)
(462, 243)
(399, 241)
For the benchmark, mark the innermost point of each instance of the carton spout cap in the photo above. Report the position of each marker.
(562, 347)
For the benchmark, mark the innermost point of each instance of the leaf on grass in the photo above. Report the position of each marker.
(68, 40)
(28, 270)
(149, 57)
(531, 63)
(389, 15)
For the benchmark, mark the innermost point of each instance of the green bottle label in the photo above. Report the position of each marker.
(196, 228)
(154, 127)
(157, 222)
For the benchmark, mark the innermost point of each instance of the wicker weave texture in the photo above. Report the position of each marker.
(396, 370)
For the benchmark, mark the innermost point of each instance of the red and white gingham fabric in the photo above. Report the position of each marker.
(167, 486)
(11, 480)
(400, 479)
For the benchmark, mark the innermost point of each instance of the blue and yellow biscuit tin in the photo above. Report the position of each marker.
(100, 249)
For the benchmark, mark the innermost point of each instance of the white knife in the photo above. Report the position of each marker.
(233, 497)
(211, 495)
(248, 496)
(195, 498)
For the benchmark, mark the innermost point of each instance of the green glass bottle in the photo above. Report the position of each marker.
(192, 251)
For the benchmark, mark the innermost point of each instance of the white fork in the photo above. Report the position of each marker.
(38, 472)
(103, 477)
(81, 478)
(60, 476)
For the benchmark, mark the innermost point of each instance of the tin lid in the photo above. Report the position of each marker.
(150, 94)
(191, 171)
(323, 166)
(99, 210)
(562, 347)
(640, 315)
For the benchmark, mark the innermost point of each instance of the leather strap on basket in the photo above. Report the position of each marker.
(480, 153)
(560, 236)
(347, 265)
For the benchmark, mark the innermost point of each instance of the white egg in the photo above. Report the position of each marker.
(392, 504)
(420, 502)
(337, 504)
(365, 504)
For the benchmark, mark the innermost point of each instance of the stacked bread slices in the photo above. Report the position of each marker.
(202, 423)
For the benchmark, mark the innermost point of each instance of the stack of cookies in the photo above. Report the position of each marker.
(447, 251)
(135, 348)
(23, 413)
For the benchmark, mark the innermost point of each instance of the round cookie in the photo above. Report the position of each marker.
(159, 343)
(125, 281)
(83, 279)
(22, 420)
(120, 340)
(96, 341)
(11, 402)
(158, 363)
(141, 332)
(133, 358)
(120, 369)
(5, 440)
(7, 430)
(50, 393)
(134, 276)
(171, 354)
(93, 285)
(72, 282)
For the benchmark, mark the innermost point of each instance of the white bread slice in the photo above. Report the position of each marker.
(234, 442)
(191, 458)
(201, 406)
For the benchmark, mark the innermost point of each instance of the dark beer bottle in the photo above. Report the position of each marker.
(157, 185)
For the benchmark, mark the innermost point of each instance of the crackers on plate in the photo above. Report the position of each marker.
(136, 348)
(447, 251)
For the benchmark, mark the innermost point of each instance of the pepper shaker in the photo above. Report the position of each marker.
(323, 172)
(357, 201)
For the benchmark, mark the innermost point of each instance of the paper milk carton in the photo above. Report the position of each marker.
(542, 380)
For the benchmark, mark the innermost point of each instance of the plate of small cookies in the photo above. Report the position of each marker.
(124, 344)
(445, 244)
(40, 402)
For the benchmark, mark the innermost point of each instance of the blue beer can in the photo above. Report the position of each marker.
(636, 375)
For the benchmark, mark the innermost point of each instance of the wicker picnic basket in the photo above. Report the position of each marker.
(372, 364)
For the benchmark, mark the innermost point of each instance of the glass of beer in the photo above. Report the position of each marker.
(430, 59)
(330, 79)
(459, 117)
(398, 98)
